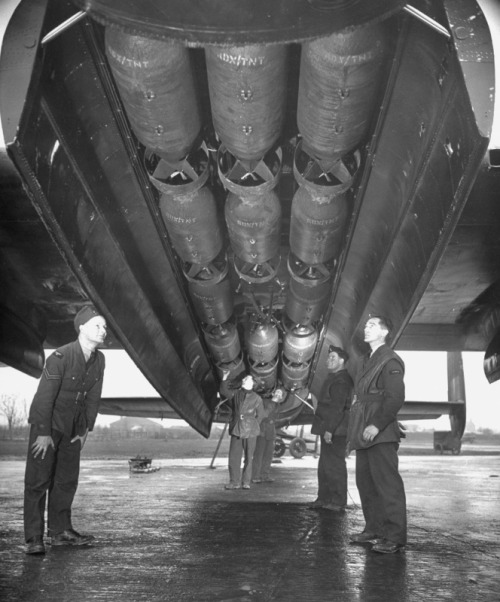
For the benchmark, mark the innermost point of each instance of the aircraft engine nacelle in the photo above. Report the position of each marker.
(339, 79)
(157, 89)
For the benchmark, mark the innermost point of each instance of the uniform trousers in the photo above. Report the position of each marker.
(332, 472)
(381, 490)
(262, 458)
(56, 474)
(237, 448)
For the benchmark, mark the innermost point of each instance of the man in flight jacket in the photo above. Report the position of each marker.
(374, 433)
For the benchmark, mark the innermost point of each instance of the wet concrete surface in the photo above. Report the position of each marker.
(176, 534)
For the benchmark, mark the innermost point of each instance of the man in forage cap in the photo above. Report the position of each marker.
(63, 411)
(330, 422)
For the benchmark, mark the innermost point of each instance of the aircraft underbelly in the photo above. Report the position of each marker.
(228, 236)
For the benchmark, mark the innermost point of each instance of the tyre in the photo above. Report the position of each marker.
(279, 447)
(298, 447)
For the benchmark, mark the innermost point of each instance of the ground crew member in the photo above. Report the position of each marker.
(375, 434)
(244, 427)
(330, 422)
(264, 448)
(63, 411)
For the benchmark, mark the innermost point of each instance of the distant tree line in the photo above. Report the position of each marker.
(14, 409)
(104, 433)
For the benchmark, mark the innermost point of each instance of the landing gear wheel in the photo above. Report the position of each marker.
(279, 448)
(298, 447)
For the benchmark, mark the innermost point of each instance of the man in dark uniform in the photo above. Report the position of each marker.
(375, 435)
(63, 411)
(330, 422)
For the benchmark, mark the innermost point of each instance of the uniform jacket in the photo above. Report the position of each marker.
(334, 402)
(68, 395)
(379, 395)
(248, 411)
(267, 426)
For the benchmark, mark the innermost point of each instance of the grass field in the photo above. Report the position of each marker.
(197, 446)
(129, 448)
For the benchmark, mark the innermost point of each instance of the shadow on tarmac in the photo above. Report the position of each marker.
(176, 534)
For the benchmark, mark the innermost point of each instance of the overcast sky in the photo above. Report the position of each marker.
(425, 379)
